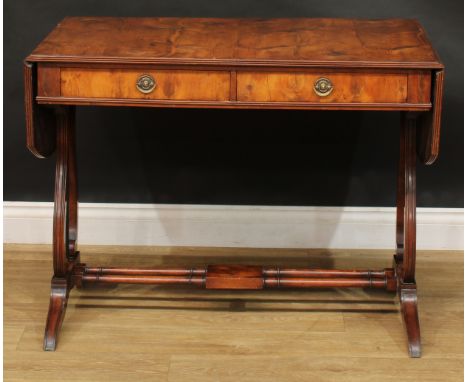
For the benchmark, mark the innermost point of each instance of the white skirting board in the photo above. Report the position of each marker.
(234, 226)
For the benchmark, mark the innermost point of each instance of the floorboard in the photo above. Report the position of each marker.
(150, 333)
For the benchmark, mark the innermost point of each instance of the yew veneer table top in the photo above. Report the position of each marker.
(290, 42)
(386, 64)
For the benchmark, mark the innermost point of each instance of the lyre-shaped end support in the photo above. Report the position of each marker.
(65, 254)
(405, 258)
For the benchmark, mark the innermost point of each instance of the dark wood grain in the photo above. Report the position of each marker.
(407, 293)
(405, 258)
(419, 86)
(430, 123)
(408, 130)
(61, 205)
(409, 311)
(48, 81)
(57, 307)
(65, 225)
(40, 120)
(278, 42)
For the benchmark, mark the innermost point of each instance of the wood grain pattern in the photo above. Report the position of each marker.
(170, 84)
(265, 42)
(65, 225)
(430, 123)
(40, 120)
(234, 277)
(233, 86)
(299, 87)
(405, 259)
(391, 90)
(48, 81)
(419, 86)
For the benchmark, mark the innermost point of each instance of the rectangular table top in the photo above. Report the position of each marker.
(302, 42)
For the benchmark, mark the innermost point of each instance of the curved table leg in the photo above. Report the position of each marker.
(64, 227)
(405, 257)
(57, 306)
(409, 311)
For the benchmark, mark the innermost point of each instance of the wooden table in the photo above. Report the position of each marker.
(313, 64)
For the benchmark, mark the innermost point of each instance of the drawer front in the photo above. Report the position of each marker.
(322, 87)
(122, 84)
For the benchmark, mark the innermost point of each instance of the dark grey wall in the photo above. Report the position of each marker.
(235, 157)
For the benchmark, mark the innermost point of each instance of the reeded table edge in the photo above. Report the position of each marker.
(232, 104)
(236, 62)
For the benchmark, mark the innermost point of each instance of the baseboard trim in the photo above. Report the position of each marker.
(235, 226)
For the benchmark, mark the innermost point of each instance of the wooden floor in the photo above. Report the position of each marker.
(144, 333)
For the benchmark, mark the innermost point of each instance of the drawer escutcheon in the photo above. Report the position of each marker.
(323, 87)
(146, 83)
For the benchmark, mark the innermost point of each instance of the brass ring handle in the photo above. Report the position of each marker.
(146, 83)
(323, 86)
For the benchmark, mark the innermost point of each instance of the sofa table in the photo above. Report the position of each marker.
(312, 64)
